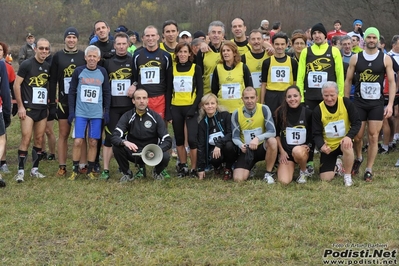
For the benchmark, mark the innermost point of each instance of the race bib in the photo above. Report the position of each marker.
(183, 84)
(335, 129)
(89, 94)
(249, 134)
(280, 74)
(150, 75)
(231, 91)
(256, 79)
(119, 87)
(295, 136)
(214, 137)
(370, 90)
(67, 85)
(39, 95)
(316, 79)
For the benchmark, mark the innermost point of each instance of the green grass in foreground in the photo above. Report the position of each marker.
(54, 221)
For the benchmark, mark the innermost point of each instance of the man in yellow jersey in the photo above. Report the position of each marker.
(238, 29)
(208, 60)
(253, 132)
(170, 32)
(278, 73)
(254, 59)
(335, 125)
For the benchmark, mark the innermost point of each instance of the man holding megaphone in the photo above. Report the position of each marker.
(131, 140)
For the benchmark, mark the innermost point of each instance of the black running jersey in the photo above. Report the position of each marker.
(34, 91)
(62, 67)
(119, 69)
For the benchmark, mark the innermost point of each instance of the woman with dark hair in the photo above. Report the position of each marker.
(10, 69)
(214, 138)
(186, 95)
(294, 136)
(230, 77)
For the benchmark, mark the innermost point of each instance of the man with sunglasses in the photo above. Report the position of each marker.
(30, 89)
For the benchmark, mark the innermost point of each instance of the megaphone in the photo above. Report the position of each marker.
(151, 154)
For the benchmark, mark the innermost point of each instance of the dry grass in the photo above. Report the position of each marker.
(189, 222)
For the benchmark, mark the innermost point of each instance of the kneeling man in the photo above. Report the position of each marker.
(136, 129)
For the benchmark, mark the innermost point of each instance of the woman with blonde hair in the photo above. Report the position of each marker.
(214, 138)
(230, 77)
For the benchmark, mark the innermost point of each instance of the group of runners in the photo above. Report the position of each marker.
(265, 96)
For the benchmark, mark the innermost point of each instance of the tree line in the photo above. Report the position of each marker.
(49, 18)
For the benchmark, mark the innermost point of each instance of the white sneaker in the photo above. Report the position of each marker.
(37, 174)
(301, 178)
(268, 178)
(4, 169)
(348, 181)
(397, 163)
(340, 171)
(19, 177)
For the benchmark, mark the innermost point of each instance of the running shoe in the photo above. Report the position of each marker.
(227, 174)
(105, 175)
(73, 176)
(269, 178)
(36, 174)
(182, 170)
(302, 177)
(61, 172)
(4, 169)
(356, 166)
(91, 176)
(348, 181)
(339, 167)
(368, 177)
(19, 177)
(2, 182)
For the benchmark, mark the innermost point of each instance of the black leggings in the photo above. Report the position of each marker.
(179, 117)
(229, 155)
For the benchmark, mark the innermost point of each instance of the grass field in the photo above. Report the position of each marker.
(54, 221)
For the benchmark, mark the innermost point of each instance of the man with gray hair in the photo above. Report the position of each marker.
(346, 48)
(208, 60)
(264, 25)
(89, 101)
(335, 124)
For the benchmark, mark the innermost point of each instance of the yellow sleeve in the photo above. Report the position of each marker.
(339, 71)
(300, 79)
